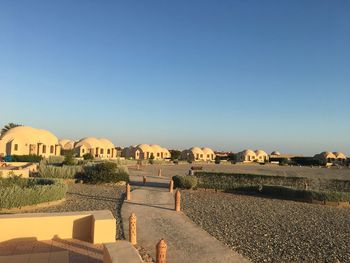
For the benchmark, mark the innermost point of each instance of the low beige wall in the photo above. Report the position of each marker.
(91, 226)
(5, 173)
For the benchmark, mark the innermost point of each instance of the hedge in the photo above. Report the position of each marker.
(294, 194)
(18, 192)
(226, 181)
(24, 158)
(61, 172)
(186, 182)
(105, 172)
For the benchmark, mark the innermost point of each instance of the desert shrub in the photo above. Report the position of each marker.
(307, 161)
(294, 194)
(225, 181)
(104, 172)
(186, 182)
(88, 156)
(64, 172)
(69, 158)
(56, 160)
(25, 158)
(175, 154)
(18, 192)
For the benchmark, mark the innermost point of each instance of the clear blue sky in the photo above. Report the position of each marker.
(225, 74)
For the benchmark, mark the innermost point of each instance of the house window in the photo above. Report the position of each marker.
(82, 150)
(16, 147)
(109, 151)
(201, 155)
(208, 156)
(158, 154)
(44, 148)
(52, 149)
(101, 151)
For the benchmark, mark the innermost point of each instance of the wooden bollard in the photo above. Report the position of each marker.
(177, 201)
(128, 197)
(161, 251)
(144, 180)
(132, 229)
(160, 172)
(171, 186)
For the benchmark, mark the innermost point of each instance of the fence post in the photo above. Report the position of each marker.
(161, 251)
(177, 201)
(128, 197)
(132, 229)
(144, 179)
(171, 186)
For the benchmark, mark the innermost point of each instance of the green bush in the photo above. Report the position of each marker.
(294, 194)
(56, 160)
(26, 158)
(105, 172)
(18, 192)
(88, 156)
(226, 181)
(185, 181)
(62, 172)
(69, 158)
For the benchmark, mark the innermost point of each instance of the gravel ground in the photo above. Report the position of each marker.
(83, 197)
(271, 230)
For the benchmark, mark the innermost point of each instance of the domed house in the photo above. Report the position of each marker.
(275, 153)
(246, 156)
(25, 140)
(261, 156)
(193, 154)
(66, 144)
(340, 158)
(145, 151)
(326, 157)
(98, 148)
(209, 154)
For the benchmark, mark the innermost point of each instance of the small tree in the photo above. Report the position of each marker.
(69, 158)
(217, 160)
(175, 154)
(151, 159)
(88, 156)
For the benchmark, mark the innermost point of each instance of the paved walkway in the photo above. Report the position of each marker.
(156, 219)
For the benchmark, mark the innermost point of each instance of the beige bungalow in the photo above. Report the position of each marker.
(25, 140)
(261, 156)
(98, 148)
(209, 154)
(331, 158)
(66, 144)
(198, 154)
(246, 156)
(145, 151)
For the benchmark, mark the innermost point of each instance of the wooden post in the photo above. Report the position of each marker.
(128, 197)
(161, 251)
(171, 186)
(132, 229)
(144, 180)
(177, 201)
(160, 172)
